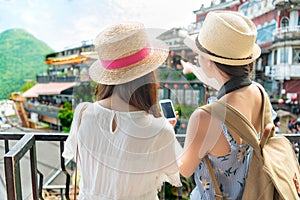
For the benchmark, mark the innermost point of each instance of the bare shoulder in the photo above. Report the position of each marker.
(200, 114)
(199, 120)
(203, 132)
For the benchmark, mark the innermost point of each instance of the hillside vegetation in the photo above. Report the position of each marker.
(21, 58)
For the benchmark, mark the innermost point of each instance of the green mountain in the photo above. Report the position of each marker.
(21, 58)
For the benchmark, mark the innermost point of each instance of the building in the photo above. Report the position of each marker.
(278, 68)
(67, 72)
(285, 51)
(181, 89)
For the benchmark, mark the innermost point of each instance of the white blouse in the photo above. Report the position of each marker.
(130, 162)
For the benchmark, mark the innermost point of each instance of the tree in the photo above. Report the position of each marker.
(65, 116)
(28, 84)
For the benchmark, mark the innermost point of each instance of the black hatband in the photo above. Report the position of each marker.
(201, 48)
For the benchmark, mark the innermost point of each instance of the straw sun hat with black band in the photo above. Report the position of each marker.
(226, 37)
(126, 52)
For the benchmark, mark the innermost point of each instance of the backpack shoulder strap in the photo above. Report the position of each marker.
(218, 193)
(230, 116)
(267, 109)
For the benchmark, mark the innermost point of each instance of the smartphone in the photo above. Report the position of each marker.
(167, 108)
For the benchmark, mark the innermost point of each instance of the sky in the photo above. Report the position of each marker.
(65, 23)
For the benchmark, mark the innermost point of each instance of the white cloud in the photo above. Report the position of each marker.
(61, 23)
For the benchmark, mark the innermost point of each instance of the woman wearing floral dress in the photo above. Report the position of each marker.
(227, 52)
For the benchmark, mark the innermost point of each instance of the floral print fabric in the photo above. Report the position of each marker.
(230, 171)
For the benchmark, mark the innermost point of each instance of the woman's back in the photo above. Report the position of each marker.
(128, 162)
(248, 101)
(230, 157)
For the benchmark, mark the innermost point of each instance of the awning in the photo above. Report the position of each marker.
(48, 88)
(292, 86)
(283, 113)
(65, 62)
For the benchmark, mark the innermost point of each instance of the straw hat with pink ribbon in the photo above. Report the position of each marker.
(126, 52)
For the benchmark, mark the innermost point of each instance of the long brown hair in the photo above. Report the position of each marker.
(141, 93)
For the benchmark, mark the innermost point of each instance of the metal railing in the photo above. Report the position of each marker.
(12, 167)
(27, 142)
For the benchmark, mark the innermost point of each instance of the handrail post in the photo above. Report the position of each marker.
(33, 164)
(6, 146)
(11, 175)
(41, 181)
(12, 167)
(179, 193)
(63, 168)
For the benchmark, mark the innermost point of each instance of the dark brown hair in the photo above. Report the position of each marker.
(141, 93)
(235, 71)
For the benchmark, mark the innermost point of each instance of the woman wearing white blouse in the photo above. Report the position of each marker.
(126, 149)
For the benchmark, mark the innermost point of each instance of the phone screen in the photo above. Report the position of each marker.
(167, 109)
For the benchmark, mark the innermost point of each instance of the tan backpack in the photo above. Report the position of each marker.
(274, 169)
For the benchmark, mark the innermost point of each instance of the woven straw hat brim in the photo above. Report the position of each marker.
(159, 52)
(190, 42)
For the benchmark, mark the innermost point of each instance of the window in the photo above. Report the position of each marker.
(269, 61)
(284, 22)
(283, 55)
(265, 33)
(275, 57)
(296, 56)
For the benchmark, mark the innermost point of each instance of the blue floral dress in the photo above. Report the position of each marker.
(230, 171)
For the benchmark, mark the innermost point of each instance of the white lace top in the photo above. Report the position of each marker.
(130, 162)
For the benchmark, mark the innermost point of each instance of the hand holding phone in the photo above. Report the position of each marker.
(167, 109)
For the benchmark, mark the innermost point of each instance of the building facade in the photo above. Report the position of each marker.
(66, 75)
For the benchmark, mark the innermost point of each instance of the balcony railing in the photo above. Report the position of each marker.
(44, 110)
(285, 71)
(54, 78)
(27, 142)
(287, 32)
(286, 4)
